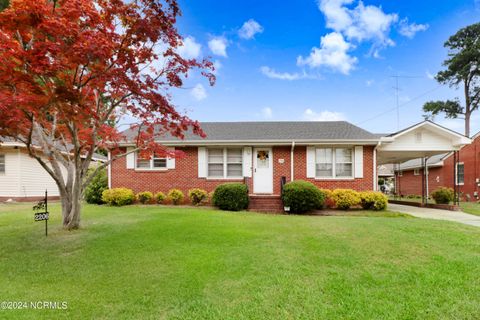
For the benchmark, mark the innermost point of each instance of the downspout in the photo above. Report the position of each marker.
(375, 184)
(109, 170)
(292, 161)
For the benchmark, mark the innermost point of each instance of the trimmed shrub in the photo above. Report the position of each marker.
(329, 203)
(345, 198)
(197, 196)
(443, 195)
(176, 196)
(373, 200)
(160, 197)
(302, 196)
(144, 197)
(231, 197)
(118, 196)
(99, 183)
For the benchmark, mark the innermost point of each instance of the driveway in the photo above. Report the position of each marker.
(427, 213)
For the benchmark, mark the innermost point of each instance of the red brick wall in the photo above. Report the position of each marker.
(409, 183)
(183, 177)
(359, 184)
(185, 174)
(469, 155)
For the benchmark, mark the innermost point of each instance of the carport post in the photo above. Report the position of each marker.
(455, 184)
(423, 181)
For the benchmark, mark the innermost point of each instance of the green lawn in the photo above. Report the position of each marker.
(162, 263)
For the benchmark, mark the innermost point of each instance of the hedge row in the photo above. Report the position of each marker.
(302, 196)
(124, 196)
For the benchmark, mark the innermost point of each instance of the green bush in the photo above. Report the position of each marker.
(373, 200)
(99, 183)
(176, 196)
(443, 195)
(231, 196)
(197, 196)
(345, 198)
(144, 197)
(302, 196)
(118, 196)
(160, 197)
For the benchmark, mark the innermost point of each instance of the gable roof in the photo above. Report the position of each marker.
(286, 131)
(433, 161)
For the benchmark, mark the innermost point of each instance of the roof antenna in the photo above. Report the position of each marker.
(397, 89)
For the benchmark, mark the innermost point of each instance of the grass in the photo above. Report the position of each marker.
(150, 262)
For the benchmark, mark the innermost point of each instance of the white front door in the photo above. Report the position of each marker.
(262, 170)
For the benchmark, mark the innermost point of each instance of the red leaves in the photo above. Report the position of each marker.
(78, 68)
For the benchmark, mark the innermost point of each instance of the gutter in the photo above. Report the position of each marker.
(109, 170)
(292, 161)
(375, 183)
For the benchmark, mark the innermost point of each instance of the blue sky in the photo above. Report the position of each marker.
(320, 60)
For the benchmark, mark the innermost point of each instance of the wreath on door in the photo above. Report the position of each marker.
(262, 155)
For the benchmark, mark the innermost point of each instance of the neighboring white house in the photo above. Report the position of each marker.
(22, 178)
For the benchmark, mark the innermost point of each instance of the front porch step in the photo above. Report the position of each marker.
(265, 203)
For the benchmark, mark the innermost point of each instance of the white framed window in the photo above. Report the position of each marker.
(223, 163)
(2, 163)
(416, 172)
(154, 163)
(334, 163)
(460, 173)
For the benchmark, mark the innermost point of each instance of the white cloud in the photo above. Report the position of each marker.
(325, 115)
(333, 53)
(198, 92)
(190, 48)
(410, 29)
(369, 83)
(249, 29)
(430, 75)
(271, 73)
(267, 113)
(218, 46)
(217, 65)
(360, 23)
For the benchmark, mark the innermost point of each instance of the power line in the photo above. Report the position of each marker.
(399, 106)
(397, 89)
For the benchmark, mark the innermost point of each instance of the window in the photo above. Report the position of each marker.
(416, 172)
(149, 164)
(460, 173)
(334, 162)
(2, 163)
(225, 163)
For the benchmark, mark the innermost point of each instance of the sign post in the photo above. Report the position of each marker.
(41, 212)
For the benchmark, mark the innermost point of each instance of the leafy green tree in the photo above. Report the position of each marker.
(4, 4)
(462, 71)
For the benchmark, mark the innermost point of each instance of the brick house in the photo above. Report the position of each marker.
(260, 154)
(440, 172)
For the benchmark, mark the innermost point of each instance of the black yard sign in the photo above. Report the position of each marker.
(41, 212)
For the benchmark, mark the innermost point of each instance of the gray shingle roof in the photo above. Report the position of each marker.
(417, 163)
(273, 130)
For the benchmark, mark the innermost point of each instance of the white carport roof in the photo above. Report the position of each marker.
(425, 139)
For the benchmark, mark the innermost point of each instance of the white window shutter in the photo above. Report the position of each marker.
(202, 162)
(130, 159)
(171, 161)
(247, 161)
(310, 162)
(358, 162)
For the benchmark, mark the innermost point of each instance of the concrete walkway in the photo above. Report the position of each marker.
(427, 213)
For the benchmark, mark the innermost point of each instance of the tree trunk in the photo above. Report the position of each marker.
(467, 123)
(71, 207)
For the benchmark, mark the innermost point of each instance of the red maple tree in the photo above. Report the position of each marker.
(70, 69)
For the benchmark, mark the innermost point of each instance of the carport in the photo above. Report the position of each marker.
(421, 141)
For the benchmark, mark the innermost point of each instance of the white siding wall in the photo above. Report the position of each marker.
(34, 180)
(10, 180)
